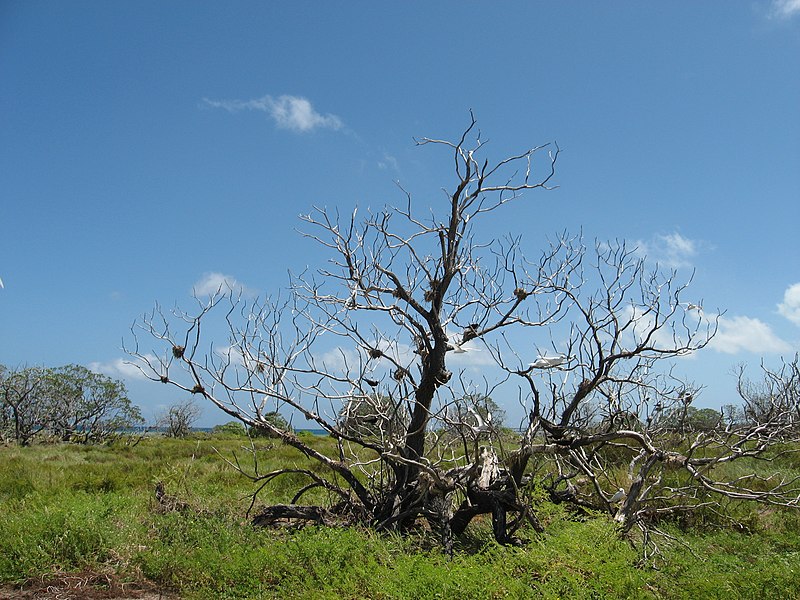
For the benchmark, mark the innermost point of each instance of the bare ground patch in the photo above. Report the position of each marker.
(84, 586)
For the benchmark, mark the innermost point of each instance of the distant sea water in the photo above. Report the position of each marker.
(210, 429)
(298, 430)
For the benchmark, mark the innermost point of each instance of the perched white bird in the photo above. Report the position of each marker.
(618, 497)
(548, 362)
(482, 426)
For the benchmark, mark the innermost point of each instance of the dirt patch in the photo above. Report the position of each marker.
(88, 586)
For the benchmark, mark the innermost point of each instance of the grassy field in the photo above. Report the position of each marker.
(88, 514)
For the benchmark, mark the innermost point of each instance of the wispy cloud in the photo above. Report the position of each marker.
(745, 334)
(341, 360)
(671, 250)
(790, 307)
(119, 368)
(294, 113)
(388, 162)
(785, 9)
(644, 326)
(214, 283)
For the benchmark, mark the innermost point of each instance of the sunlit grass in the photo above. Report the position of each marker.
(70, 508)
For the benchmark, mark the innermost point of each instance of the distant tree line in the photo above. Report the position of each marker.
(69, 403)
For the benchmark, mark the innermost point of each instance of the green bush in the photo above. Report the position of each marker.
(234, 428)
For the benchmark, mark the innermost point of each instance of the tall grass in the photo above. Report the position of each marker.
(78, 509)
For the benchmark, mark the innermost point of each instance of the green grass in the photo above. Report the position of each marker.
(69, 509)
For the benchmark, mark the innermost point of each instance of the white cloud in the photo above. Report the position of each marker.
(785, 9)
(671, 250)
(340, 361)
(119, 367)
(472, 358)
(214, 283)
(644, 325)
(388, 162)
(232, 354)
(294, 113)
(743, 334)
(790, 307)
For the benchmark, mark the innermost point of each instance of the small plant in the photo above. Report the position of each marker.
(273, 418)
(230, 428)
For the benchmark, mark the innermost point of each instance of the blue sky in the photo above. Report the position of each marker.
(148, 147)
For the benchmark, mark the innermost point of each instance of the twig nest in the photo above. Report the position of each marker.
(399, 374)
(198, 389)
(521, 294)
(444, 376)
(177, 351)
(375, 353)
(433, 292)
(164, 379)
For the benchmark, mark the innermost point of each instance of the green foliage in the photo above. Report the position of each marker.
(70, 403)
(87, 406)
(69, 508)
(234, 428)
(67, 531)
(691, 419)
(474, 414)
(374, 416)
(275, 419)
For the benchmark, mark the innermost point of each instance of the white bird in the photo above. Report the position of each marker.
(483, 426)
(618, 496)
(462, 348)
(458, 349)
(548, 362)
(1, 284)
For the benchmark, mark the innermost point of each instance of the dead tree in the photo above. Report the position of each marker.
(404, 294)
(178, 419)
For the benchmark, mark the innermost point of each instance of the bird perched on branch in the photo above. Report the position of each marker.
(618, 496)
(548, 362)
(482, 426)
